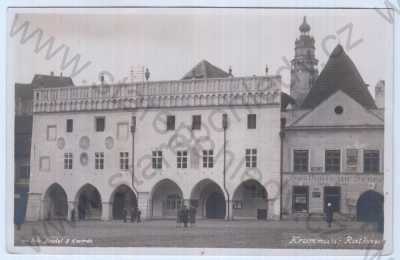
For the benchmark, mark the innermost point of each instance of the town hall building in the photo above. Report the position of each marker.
(231, 147)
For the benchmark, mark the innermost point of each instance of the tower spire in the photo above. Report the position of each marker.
(304, 64)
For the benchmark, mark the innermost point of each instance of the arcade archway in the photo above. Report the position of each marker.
(166, 199)
(370, 206)
(250, 201)
(89, 203)
(122, 198)
(209, 199)
(55, 203)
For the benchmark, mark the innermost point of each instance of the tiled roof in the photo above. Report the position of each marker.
(51, 81)
(204, 70)
(339, 73)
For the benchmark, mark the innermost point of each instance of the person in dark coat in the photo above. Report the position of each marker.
(192, 214)
(138, 216)
(178, 217)
(133, 215)
(73, 215)
(329, 214)
(185, 216)
(124, 214)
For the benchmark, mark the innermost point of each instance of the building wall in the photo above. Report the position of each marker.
(151, 135)
(352, 181)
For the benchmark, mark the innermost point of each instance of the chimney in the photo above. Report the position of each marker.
(380, 94)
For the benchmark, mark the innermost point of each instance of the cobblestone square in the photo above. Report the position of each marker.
(206, 233)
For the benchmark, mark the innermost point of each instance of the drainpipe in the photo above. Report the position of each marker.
(282, 136)
(133, 129)
(225, 126)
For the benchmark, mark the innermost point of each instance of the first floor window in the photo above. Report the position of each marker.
(170, 122)
(251, 121)
(70, 125)
(157, 159)
(351, 159)
(124, 160)
(100, 124)
(68, 161)
(208, 158)
(251, 158)
(371, 160)
(99, 161)
(300, 198)
(300, 160)
(332, 160)
(181, 159)
(51, 133)
(196, 122)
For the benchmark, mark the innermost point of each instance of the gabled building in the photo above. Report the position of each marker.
(333, 143)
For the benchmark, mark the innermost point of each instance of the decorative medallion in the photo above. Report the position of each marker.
(84, 159)
(84, 142)
(60, 143)
(109, 142)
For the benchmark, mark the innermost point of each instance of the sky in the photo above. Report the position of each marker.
(172, 41)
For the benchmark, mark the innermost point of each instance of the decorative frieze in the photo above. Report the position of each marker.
(208, 92)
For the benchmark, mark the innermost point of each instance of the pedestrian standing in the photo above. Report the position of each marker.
(185, 216)
(178, 217)
(133, 215)
(329, 214)
(138, 216)
(124, 214)
(73, 215)
(192, 213)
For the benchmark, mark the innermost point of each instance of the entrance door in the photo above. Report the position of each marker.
(300, 199)
(332, 195)
(215, 205)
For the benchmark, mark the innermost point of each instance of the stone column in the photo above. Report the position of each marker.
(230, 209)
(71, 206)
(106, 211)
(33, 210)
(274, 209)
(144, 204)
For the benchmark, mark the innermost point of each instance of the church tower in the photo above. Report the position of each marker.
(304, 65)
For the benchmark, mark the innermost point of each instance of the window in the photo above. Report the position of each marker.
(237, 204)
(68, 161)
(196, 122)
(351, 159)
(300, 160)
(99, 161)
(157, 159)
(251, 158)
(122, 131)
(51, 132)
(251, 121)
(332, 160)
(170, 123)
(100, 124)
(174, 201)
(371, 161)
(181, 159)
(208, 158)
(70, 125)
(44, 163)
(124, 160)
(300, 199)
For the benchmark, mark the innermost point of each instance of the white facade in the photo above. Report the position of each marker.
(245, 192)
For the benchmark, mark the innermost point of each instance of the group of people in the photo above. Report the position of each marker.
(136, 215)
(186, 215)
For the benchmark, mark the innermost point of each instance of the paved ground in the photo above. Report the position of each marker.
(206, 233)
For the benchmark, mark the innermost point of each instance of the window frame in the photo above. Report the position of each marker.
(69, 128)
(339, 166)
(208, 158)
(307, 159)
(182, 159)
(251, 121)
(377, 166)
(156, 159)
(96, 123)
(48, 132)
(251, 155)
(196, 122)
(68, 161)
(124, 161)
(99, 160)
(170, 123)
